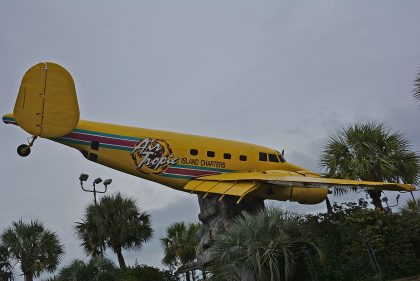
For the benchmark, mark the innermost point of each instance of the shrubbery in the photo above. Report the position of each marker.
(105, 270)
(352, 229)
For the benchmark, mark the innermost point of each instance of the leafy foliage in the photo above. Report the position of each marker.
(105, 270)
(36, 248)
(410, 207)
(270, 245)
(347, 233)
(6, 269)
(146, 273)
(122, 226)
(96, 269)
(180, 243)
(417, 87)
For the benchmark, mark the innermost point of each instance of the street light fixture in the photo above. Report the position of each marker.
(83, 178)
(97, 181)
(107, 182)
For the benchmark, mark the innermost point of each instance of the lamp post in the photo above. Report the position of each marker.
(83, 178)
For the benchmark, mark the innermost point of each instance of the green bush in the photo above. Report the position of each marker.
(105, 270)
(348, 233)
(147, 273)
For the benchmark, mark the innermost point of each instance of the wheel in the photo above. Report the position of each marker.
(23, 150)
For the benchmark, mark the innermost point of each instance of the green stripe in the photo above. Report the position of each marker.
(89, 132)
(202, 168)
(106, 135)
(89, 143)
(110, 146)
(9, 118)
(115, 147)
(176, 176)
(72, 141)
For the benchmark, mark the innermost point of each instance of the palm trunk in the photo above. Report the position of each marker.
(121, 261)
(329, 208)
(244, 273)
(187, 275)
(29, 277)
(376, 198)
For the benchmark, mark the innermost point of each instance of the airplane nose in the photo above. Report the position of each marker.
(293, 167)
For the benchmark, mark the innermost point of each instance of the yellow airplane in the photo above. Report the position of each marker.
(47, 107)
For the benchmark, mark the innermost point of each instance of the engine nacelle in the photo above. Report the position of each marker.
(303, 195)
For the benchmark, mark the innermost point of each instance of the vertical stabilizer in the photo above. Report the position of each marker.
(46, 104)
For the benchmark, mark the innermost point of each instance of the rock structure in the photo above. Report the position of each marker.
(216, 215)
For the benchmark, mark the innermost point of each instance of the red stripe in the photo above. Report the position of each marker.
(105, 140)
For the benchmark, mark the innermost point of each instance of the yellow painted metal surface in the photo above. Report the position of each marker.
(220, 187)
(238, 188)
(46, 104)
(200, 186)
(267, 183)
(287, 178)
(305, 195)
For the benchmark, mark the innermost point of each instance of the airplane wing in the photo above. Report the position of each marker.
(281, 185)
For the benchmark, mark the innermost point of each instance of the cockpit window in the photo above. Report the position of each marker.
(263, 156)
(281, 158)
(272, 158)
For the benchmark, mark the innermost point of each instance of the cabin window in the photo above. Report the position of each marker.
(84, 152)
(94, 145)
(210, 153)
(263, 156)
(242, 157)
(227, 156)
(273, 158)
(93, 157)
(194, 152)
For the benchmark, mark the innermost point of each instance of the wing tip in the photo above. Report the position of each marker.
(408, 187)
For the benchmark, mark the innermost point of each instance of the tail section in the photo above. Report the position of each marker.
(9, 119)
(46, 104)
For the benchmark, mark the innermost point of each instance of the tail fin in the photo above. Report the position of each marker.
(46, 104)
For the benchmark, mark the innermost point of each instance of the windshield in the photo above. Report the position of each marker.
(281, 157)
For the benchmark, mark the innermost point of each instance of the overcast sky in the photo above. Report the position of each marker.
(281, 74)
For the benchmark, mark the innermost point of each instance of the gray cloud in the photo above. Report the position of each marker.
(281, 74)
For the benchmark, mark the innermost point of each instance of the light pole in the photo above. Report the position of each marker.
(83, 178)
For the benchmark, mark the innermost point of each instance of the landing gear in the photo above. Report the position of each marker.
(25, 149)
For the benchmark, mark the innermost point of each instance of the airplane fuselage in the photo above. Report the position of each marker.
(46, 106)
(168, 158)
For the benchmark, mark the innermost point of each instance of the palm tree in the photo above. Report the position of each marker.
(411, 206)
(267, 245)
(180, 244)
(6, 268)
(97, 269)
(36, 248)
(417, 87)
(370, 152)
(122, 226)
